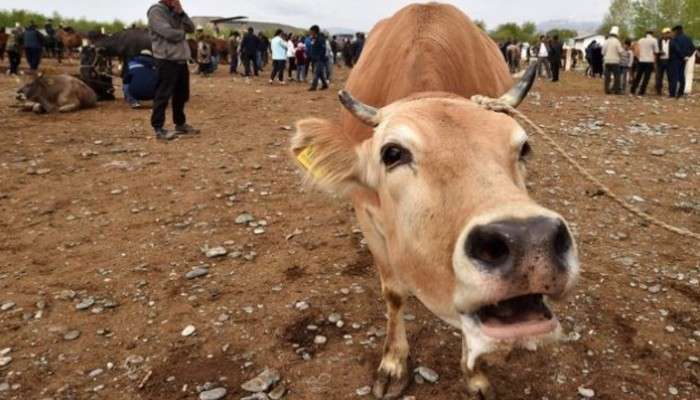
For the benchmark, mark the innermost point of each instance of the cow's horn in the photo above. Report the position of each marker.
(517, 93)
(367, 114)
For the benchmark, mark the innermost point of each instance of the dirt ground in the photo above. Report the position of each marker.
(92, 208)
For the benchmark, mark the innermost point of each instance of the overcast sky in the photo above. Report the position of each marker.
(353, 14)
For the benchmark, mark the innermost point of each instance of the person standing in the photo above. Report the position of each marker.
(233, 48)
(291, 57)
(330, 60)
(556, 50)
(318, 58)
(168, 26)
(204, 54)
(543, 58)
(357, 47)
(648, 49)
(14, 49)
(612, 52)
(681, 49)
(33, 46)
(626, 63)
(249, 51)
(664, 52)
(300, 54)
(279, 56)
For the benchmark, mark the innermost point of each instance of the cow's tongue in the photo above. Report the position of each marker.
(518, 317)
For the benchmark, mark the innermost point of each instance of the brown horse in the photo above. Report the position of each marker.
(70, 39)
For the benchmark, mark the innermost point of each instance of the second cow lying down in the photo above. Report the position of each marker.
(62, 93)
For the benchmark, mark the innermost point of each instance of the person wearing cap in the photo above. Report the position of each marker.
(648, 49)
(680, 51)
(169, 25)
(140, 79)
(612, 54)
(662, 59)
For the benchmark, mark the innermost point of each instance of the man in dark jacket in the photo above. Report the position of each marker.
(168, 24)
(318, 58)
(556, 50)
(249, 51)
(681, 49)
(357, 47)
(33, 43)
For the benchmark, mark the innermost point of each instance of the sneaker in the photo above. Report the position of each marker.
(135, 106)
(162, 134)
(186, 129)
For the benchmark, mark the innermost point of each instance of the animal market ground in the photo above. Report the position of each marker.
(99, 224)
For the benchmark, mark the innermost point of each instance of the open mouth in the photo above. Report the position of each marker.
(518, 317)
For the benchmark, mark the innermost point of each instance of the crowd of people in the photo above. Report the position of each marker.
(632, 63)
(30, 42)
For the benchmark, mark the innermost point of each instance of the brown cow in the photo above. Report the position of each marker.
(70, 39)
(62, 93)
(438, 186)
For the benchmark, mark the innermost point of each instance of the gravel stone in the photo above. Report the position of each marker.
(72, 335)
(586, 392)
(262, 382)
(197, 272)
(427, 374)
(214, 394)
(189, 330)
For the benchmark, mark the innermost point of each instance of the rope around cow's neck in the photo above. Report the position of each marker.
(498, 106)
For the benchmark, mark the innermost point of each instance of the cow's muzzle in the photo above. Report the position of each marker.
(530, 260)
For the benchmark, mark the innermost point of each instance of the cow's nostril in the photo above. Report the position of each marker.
(488, 247)
(562, 241)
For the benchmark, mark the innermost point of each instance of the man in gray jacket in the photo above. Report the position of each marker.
(169, 24)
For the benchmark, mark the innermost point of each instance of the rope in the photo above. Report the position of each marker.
(499, 106)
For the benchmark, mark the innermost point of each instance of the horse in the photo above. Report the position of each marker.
(124, 45)
(69, 38)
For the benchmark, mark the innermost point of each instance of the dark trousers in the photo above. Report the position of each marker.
(556, 67)
(278, 67)
(15, 59)
(249, 59)
(642, 76)
(661, 73)
(33, 57)
(676, 78)
(292, 66)
(173, 83)
(612, 71)
(319, 74)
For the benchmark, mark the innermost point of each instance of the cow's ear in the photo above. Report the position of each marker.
(329, 158)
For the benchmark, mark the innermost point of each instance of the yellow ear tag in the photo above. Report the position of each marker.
(306, 159)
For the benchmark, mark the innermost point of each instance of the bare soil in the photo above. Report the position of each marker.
(91, 203)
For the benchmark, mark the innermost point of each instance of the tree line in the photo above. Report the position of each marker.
(636, 17)
(8, 18)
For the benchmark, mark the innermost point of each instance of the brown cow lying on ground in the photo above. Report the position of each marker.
(61, 93)
(438, 186)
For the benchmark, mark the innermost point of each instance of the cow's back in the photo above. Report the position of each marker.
(424, 48)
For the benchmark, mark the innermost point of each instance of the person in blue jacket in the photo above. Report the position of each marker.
(140, 79)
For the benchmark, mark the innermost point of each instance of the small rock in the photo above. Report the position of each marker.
(427, 374)
(214, 394)
(278, 392)
(333, 318)
(5, 361)
(85, 304)
(670, 329)
(673, 390)
(320, 339)
(189, 330)
(244, 219)
(363, 391)
(301, 305)
(197, 272)
(585, 392)
(95, 373)
(658, 152)
(216, 252)
(72, 335)
(4, 387)
(262, 382)
(256, 396)
(7, 305)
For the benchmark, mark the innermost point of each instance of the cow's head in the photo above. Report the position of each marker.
(34, 89)
(442, 184)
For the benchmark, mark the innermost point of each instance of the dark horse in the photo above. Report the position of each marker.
(124, 45)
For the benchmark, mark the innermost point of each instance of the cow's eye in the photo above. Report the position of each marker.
(525, 152)
(394, 155)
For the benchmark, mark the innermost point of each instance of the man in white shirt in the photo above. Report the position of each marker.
(612, 53)
(279, 56)
(648, 49)
(543, 58)
(662, 61)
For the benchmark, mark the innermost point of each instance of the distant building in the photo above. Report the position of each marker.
(582, 42)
